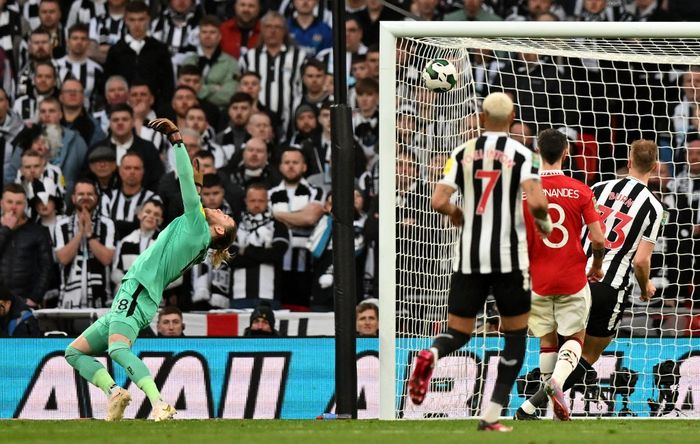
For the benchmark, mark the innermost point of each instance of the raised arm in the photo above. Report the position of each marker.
(188, 187)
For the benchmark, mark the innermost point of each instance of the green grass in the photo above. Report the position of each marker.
(338, 432)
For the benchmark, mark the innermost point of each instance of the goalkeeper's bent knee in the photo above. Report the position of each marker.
(72, 355)
(122, 355)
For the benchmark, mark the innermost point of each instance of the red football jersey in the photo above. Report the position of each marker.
(558, 263)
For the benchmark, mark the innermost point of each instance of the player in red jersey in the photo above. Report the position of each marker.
(561, 299)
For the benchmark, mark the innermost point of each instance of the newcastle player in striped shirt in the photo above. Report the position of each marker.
(491, 172)
(633, 218)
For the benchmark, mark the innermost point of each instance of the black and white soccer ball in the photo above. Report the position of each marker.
(440, 75)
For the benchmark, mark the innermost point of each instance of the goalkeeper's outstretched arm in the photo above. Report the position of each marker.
(185, 172)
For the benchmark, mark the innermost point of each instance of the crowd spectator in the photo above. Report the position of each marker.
(85, 247)
(137, 55)
(298, 205)
(16, 318)
(122, 139)
(239, 111)
(78, 66)
(177, 27)
(50, 16)
(191, 76)
(220, 71)
(254, 166)
(261, 244)
(320, 246)
(367, 323)
(309, 31)
(116, 92)
(122, 204)
(241, 33)
(35, 167)
(44, 85)
(170, 322)
(75, 115)
(64, 147)
(102, 165)
(473, 10)
(278, 63)
(39, 50)
(106, 29)
(262, 322)
(25, 250)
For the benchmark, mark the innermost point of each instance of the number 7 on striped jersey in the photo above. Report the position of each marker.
(491, 177)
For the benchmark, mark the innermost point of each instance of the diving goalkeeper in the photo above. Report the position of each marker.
(184, 242)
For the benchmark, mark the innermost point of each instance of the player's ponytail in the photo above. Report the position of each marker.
(221, 246)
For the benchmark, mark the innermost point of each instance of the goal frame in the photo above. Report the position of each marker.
(389, 32)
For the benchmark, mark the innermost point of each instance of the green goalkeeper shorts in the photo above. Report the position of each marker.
(132, 310)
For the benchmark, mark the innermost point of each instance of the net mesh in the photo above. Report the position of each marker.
(602, 94)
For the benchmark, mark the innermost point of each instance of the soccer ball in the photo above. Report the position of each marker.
(440, 75)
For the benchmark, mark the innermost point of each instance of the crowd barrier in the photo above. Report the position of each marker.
(293, 378)
(219, 323)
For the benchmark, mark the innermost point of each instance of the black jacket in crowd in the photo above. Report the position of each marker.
(25, 261)
(152, 65)
(19, 322)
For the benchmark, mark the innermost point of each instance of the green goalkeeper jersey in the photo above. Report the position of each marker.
(183, 243)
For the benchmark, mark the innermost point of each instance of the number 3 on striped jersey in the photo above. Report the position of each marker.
(491, 177)
(620, 221)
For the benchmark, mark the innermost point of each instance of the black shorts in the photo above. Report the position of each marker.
(607, 307)
(468, 292)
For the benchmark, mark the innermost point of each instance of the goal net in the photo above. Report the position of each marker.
(603, 93)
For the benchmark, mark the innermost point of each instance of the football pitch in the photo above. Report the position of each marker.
(335, 432)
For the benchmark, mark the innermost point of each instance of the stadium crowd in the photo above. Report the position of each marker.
(87, 185)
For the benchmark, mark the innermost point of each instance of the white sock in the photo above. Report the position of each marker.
(493, 412)
(569, 355)
(436, 356)
(528, 407)
(548, 360)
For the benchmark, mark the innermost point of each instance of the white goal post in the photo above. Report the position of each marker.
(591, 85)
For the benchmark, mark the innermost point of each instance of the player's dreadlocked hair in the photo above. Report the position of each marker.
(221, 245)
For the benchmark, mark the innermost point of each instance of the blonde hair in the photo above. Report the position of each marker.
(644, 155)
(221, 245)
(498, 107)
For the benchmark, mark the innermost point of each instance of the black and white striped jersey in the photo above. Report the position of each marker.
(280, 84)
(179, 36)
(10, 31)
(85, 281)
(27, 108)
(87, 72)
(84, 10)
(122, 209)
(53, 174)
(286, 199)
(489, 171)
(106, 29)
(128, 249)
(631, 213)
(326, 56)
(30, 12)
